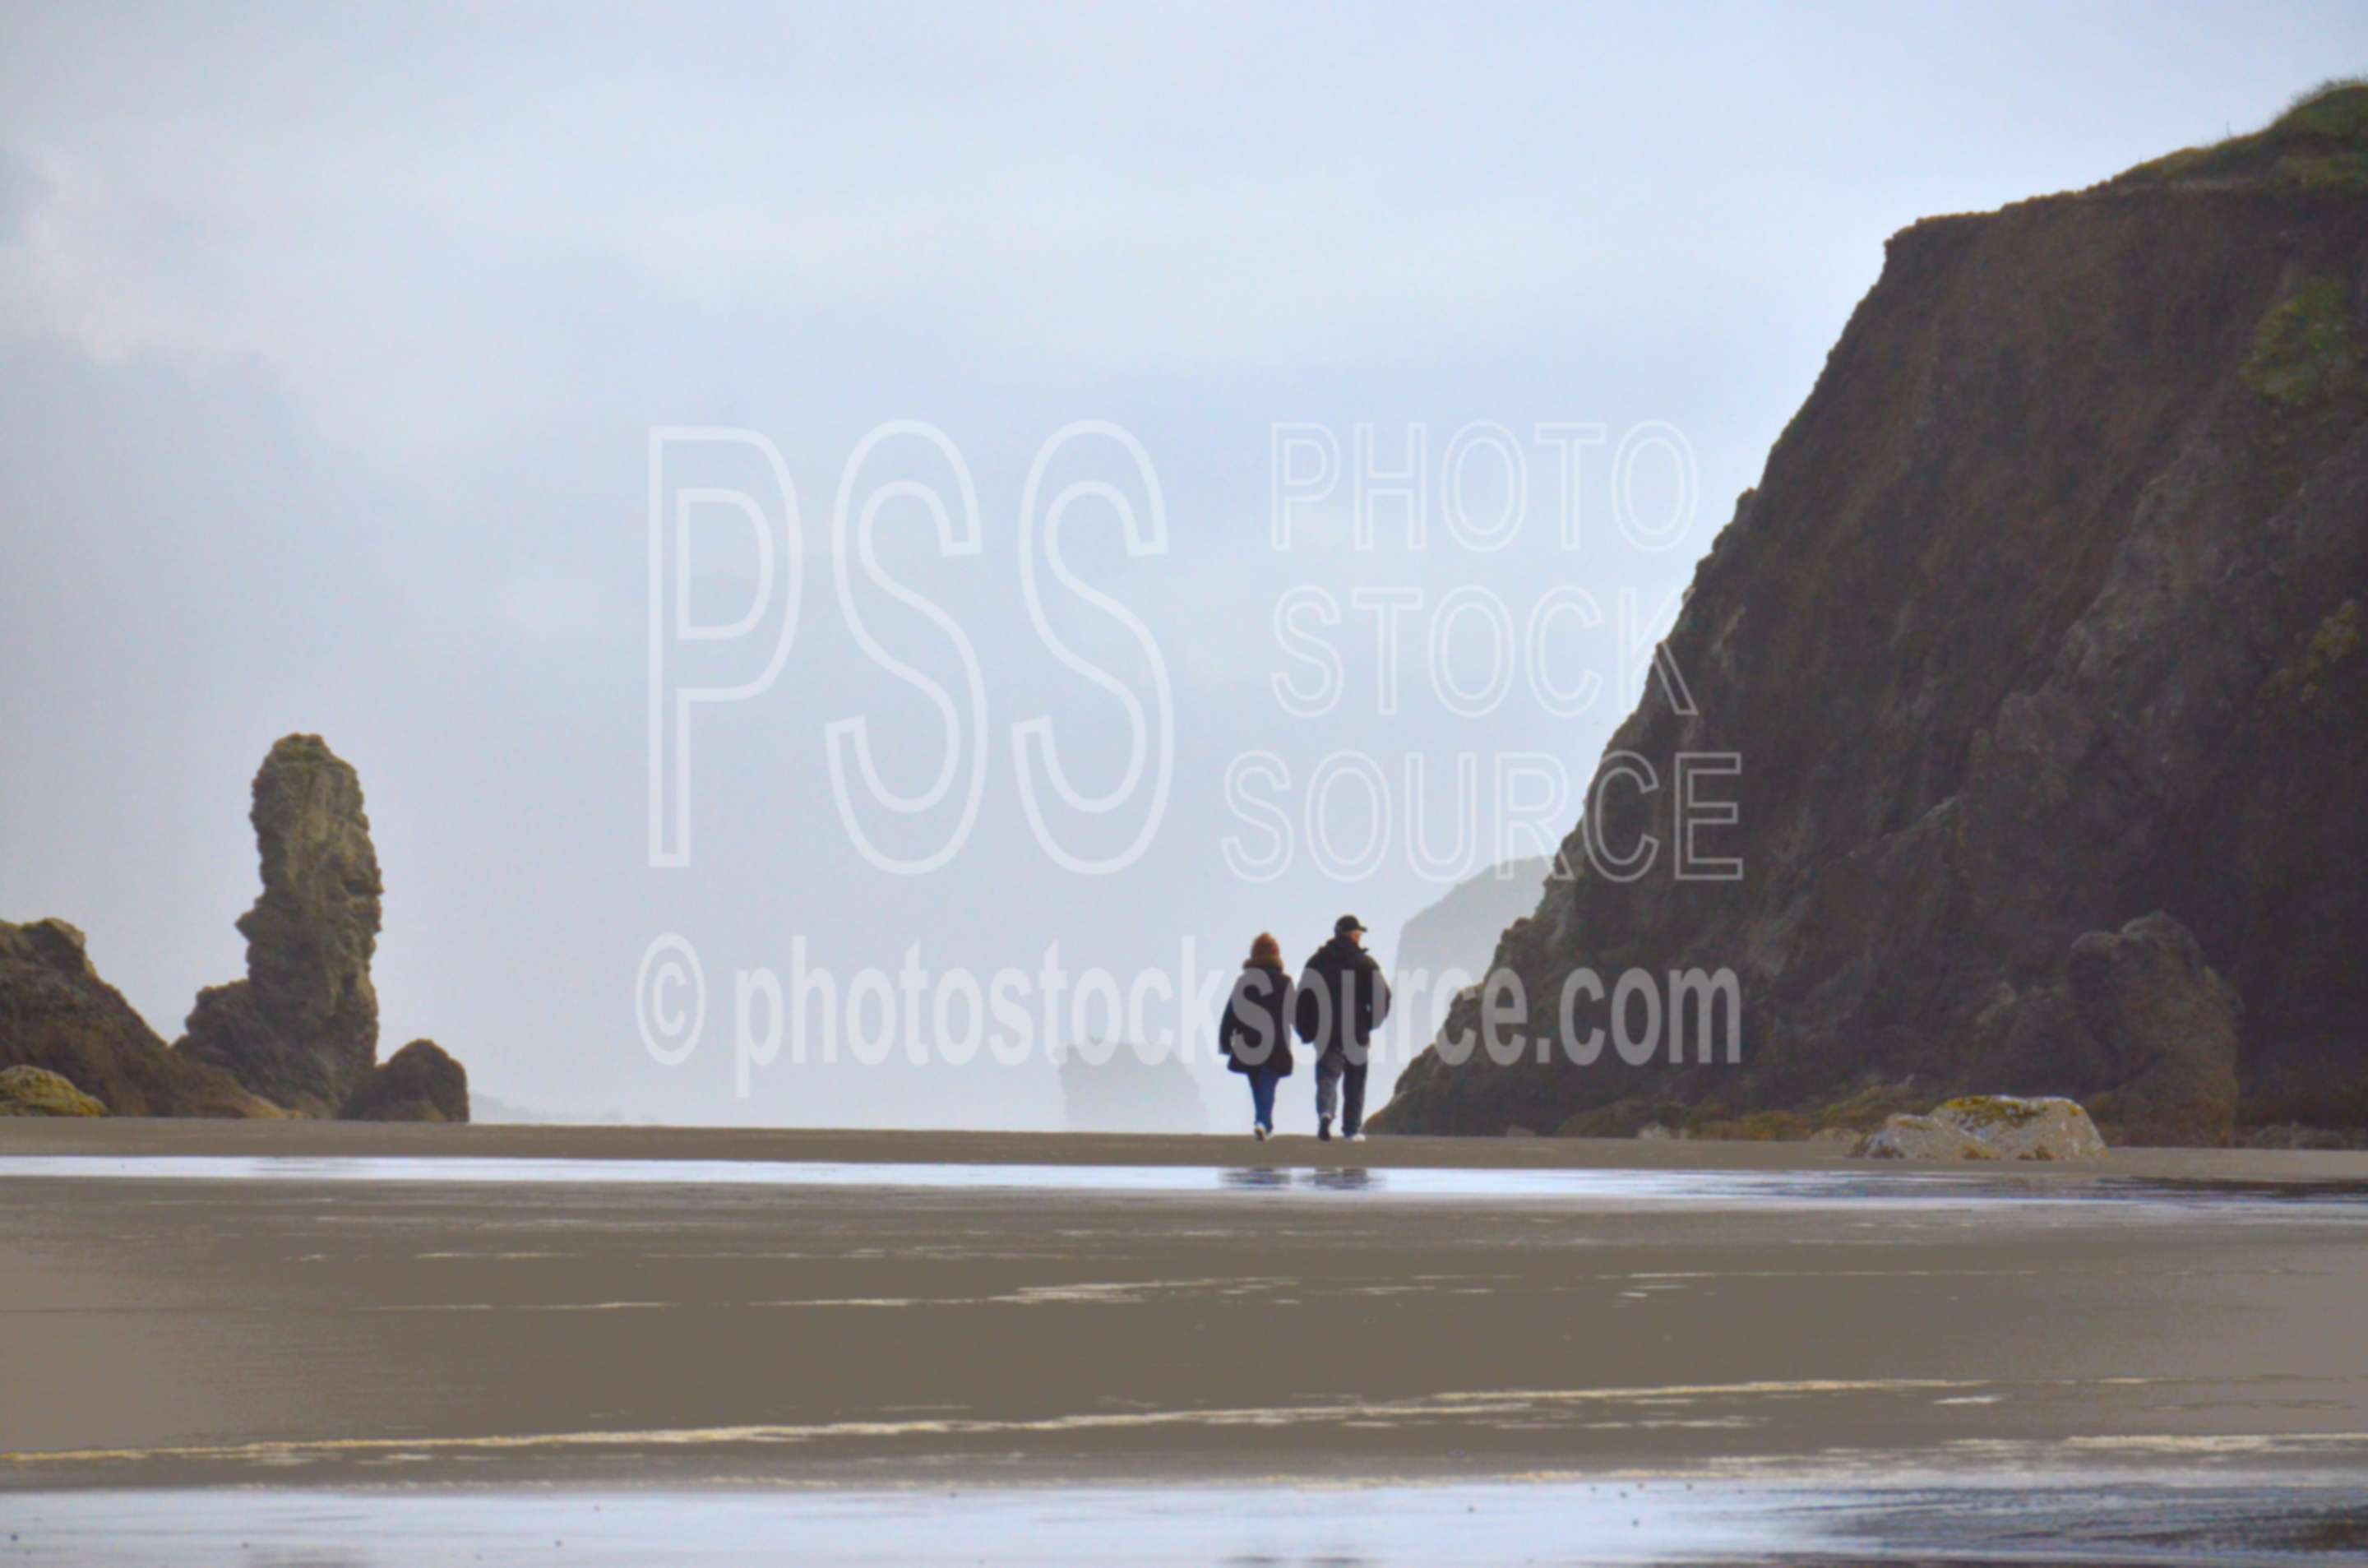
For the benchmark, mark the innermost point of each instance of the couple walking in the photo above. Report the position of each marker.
(1340, 1000)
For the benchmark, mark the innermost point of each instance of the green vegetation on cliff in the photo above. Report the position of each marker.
(2332, 645)
(2303, 351)
(2321, 142)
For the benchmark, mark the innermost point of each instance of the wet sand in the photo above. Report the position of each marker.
(118, 1136)
(1609, 1521)
(1251, 1315)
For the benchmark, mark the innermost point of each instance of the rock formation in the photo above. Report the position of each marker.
(301, 1028)
(36, 1090)
(1115, 1086)
(300, 1033)
(2045, 616)
(57, 1015)
(2168, 1028)
(419, 1083)
(2151, 1030)
(1919, 1138)
(1460, 930)
(1988, 1126)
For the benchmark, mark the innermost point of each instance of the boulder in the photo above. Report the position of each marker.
(2170, 1028)
(301, 1028)
(1920, 1138)
(419, 1083)
(36, 1090)
(2013, 1128)
(56, 1014)
(1988, 1126)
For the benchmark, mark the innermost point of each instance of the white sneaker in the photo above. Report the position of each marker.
(1259, 1134)
(1356, 1138)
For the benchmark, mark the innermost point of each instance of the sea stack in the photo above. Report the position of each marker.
(301, 1028)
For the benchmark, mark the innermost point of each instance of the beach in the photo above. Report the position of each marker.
(331, 1310)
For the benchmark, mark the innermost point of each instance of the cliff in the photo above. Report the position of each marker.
(2044, 619)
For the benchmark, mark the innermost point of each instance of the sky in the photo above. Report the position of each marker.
(1097, 346)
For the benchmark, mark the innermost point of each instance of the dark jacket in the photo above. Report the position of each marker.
(1256, 1029)
(1343, 998)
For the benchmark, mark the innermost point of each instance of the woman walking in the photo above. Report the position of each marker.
(1255, 1033)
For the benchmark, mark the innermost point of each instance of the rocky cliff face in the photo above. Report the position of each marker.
(2045, 617)
(57, 1015)
(301, 1028)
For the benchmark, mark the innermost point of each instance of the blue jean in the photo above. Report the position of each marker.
(1262, 1082)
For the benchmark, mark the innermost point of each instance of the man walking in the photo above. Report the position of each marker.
(1343, 998)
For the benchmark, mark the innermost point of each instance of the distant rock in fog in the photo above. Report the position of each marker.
(1460, 931)
(1122, 1093)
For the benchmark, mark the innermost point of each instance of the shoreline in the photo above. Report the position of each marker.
(133, 1137)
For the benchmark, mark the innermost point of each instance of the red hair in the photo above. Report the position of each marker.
(1265, 953)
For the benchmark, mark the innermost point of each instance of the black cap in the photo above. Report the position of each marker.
(1347, 923)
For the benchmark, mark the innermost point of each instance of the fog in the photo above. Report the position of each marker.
(332, 342)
